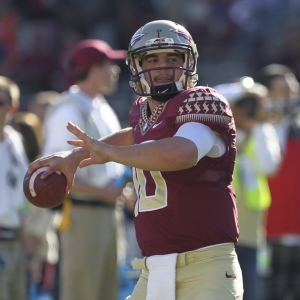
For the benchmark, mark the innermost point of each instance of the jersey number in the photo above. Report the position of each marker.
(146, 202)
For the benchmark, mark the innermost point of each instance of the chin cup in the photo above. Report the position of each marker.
(163, 93)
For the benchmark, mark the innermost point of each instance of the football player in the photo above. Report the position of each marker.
(181, 146)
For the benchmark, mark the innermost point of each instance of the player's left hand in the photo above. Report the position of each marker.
(98, 150)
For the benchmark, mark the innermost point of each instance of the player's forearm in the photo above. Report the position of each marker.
(170, 154)
(123, 137)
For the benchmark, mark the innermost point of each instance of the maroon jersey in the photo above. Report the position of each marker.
(185, 210)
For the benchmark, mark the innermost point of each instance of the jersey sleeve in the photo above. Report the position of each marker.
(204, 105)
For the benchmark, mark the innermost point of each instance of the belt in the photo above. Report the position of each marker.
(189, 257)
(8, 234)
(94, 203)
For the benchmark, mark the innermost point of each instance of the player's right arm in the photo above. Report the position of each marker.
(123, 137)
(68, 161)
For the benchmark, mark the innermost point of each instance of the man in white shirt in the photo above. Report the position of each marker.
(12, 170)
(88, 243)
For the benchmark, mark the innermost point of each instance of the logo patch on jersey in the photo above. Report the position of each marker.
(155, 125)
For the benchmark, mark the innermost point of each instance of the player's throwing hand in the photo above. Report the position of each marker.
(63, 161)
(98, 150)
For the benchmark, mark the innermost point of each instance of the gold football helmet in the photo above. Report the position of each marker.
(162, 36)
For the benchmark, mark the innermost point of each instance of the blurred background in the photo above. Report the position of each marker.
(234, 37)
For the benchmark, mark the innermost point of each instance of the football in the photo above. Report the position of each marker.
(45, 193)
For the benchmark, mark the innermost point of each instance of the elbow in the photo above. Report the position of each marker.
(185, 159)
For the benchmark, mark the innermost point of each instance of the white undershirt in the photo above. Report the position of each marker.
(207, 141)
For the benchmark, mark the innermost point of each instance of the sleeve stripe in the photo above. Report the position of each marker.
(202, 118)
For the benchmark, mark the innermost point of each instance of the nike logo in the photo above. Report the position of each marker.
(163, 91)
(155, 125)
(229, 276)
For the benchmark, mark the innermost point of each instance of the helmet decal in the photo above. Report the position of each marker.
(137, 37)
(159, 40)
(183, 33)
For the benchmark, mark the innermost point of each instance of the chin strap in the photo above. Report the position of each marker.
(162, 93)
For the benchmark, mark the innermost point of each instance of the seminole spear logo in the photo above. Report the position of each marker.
(182, 33)
(137, 37)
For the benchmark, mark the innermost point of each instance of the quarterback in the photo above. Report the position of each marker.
(181, 147)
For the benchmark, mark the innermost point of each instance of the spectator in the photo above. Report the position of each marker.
(30, 127)
(12, 200)
(37, 105)
(283, 227)
(40, 238)
(258, 157)
(88, 262)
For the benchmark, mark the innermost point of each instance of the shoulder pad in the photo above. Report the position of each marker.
(205, 105)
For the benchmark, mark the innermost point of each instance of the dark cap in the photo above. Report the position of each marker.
(91, 52)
